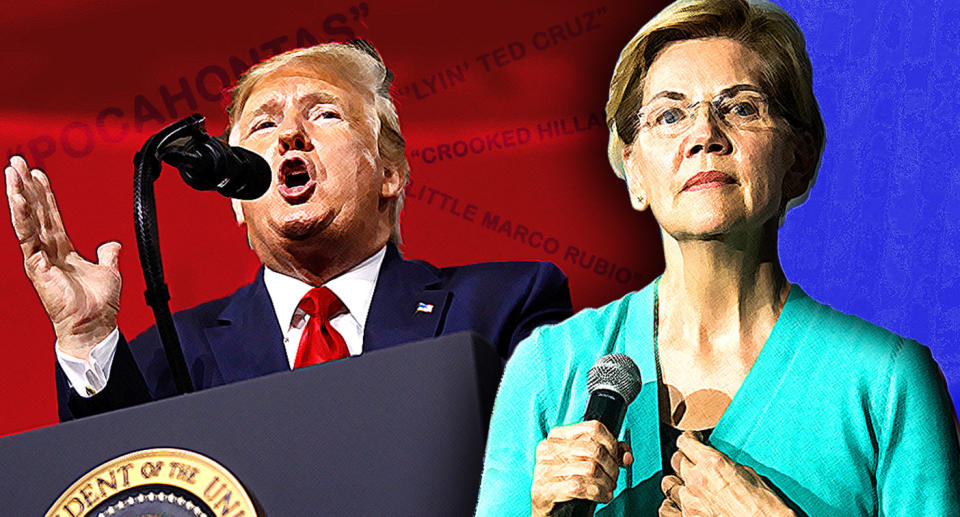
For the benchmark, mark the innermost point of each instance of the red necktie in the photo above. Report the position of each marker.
(320, 341)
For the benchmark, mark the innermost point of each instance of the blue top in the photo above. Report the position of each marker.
(843, 417)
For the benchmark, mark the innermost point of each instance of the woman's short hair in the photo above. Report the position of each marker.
(786, 74)
(358, 63)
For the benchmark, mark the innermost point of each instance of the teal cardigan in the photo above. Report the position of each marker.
(843, 417)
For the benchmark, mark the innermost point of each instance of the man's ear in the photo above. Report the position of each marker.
(391, 185)
(800, 173)
(237, 211)
(638, 195)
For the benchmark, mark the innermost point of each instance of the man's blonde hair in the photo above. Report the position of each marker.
(359, 64)
(786, 74)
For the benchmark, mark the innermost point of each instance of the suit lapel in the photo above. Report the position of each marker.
(408, 303)
(247, 341)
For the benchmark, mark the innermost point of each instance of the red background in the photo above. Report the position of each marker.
(65, 64)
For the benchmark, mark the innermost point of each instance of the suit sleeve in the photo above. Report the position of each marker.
(918, 471)
(125, 387)
(547, 302)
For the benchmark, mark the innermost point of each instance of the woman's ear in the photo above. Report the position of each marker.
(638, 194)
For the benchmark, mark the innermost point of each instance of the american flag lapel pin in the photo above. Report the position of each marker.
(425, 307)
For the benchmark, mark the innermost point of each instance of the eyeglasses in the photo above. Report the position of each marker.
(669, 117)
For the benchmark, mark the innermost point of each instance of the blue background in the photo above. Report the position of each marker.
(878, 235)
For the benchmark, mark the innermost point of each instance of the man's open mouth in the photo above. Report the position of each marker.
(296, 182)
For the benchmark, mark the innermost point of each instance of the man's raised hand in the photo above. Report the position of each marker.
(81, 297)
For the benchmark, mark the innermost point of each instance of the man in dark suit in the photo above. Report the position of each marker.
(333, 282)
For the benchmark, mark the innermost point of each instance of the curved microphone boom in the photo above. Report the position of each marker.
(613, 383)
(205, 164)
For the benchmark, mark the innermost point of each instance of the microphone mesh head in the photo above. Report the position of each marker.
(617, 373)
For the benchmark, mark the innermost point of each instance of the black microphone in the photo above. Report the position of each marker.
(613, 383)
(206, 163)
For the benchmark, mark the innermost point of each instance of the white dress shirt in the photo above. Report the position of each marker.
(354, 288)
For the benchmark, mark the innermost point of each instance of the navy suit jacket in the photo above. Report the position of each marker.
(238, 337)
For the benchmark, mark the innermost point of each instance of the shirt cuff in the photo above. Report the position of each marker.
(90, 377)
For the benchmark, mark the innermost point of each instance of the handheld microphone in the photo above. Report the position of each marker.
(613, 383)
(206, 163)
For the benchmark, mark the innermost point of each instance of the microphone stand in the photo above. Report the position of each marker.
(146, 170)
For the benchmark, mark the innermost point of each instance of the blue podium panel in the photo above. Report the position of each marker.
(399, 431)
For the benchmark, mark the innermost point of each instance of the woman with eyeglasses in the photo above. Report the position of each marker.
(756, 400)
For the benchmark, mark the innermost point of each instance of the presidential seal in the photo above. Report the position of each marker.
(155, 483)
